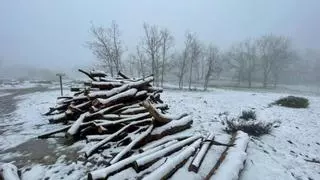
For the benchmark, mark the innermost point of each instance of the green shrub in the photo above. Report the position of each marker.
(248, 115)
(293, 102)
(251, 127)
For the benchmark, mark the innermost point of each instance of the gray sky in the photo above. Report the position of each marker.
(53, 33)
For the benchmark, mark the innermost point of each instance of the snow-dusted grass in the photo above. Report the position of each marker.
(280, 155)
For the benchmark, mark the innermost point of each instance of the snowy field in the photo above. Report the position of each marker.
(280, 155)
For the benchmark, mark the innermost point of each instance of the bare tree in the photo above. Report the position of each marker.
(250, 55)
(183, 59)
(167, 43)
(211, 61)
(275, 53)
(107, 46)
(152, 43)
(236, 60)
(195, 52)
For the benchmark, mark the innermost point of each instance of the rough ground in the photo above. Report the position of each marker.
(280, 155)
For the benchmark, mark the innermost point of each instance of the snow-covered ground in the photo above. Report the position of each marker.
(280, 155)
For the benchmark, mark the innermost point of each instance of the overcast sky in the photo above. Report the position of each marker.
(53, 33)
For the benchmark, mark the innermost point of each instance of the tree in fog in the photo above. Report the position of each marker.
(236, 60)
(211, 64)
(182, 60)
(250, 59)
(167, 43)
(242, 57)
(152, 42)
(139, 60)
(195, 52)
(275, 54)
(107, 46)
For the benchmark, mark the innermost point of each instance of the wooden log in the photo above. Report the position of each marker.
(163, 140)
(63, 129)
(174, 163)
(141, 83)
(116, 98)
(108, 93)
(122, 75)
(104, 173)
(62, 117)
(143, 109)
(131, 145)
(221, 158)
(9, 172)
(75, 127)
(158, 116)
(198, 158)
(171, 128)
(146, 161)
(232, 159)
(125, 120)
(59, 107)
(96, 73)
(95, 147)
(87, 74)
(103, 85)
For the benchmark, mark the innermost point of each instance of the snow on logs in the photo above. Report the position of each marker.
(232, 159)
(9, 172)
(112, 112)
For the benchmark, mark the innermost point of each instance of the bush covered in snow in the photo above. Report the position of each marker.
(248, 115)
(293, 102)
(247, 122)
(251, 127)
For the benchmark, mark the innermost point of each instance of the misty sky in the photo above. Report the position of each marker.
(53, 33)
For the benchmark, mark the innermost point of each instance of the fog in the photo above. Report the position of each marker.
(52, 35)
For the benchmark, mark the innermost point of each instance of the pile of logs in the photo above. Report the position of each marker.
(127, 113)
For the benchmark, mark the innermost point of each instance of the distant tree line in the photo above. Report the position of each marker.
(267, 60)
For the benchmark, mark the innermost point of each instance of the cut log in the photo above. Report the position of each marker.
(95, 147)
(75, 128)
(104, 85)
(131, 145)
(96, 137)
(232, 160)
(108, 93)
(116, 98)
(97, 73)
(171, 128)
(173, 163)
(125, 120)
(163, 140)
(62, 117)
(141, 83)
(143, 109)
(196, 162)
(116, 167)
(9, 172)
(146, 161)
